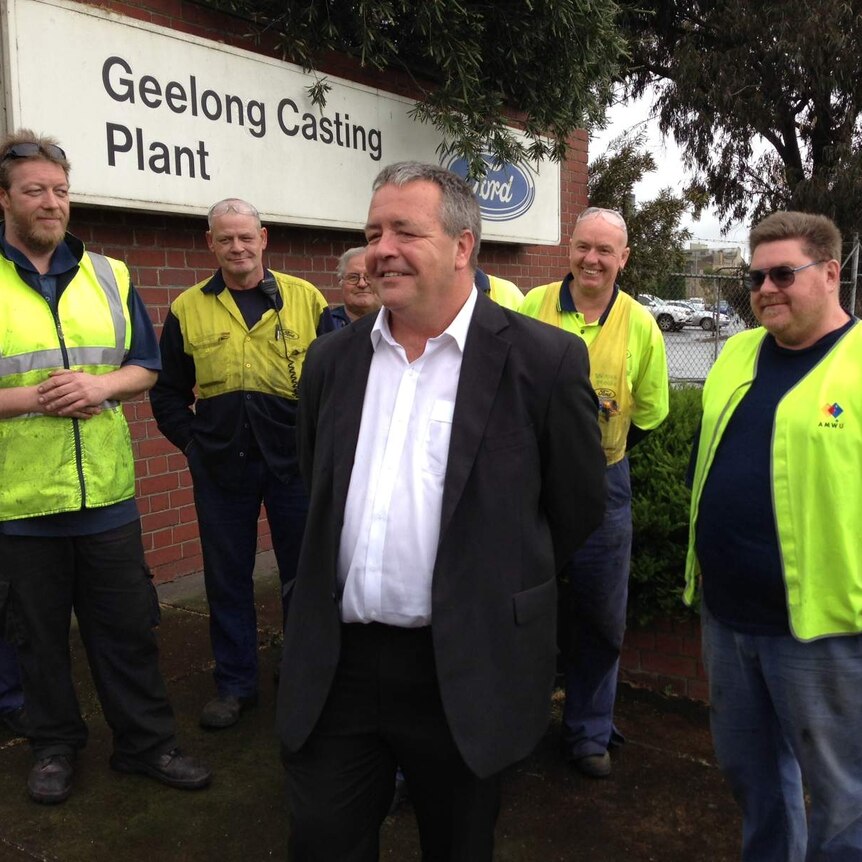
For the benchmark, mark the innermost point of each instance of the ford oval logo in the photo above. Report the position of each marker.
(504, 193)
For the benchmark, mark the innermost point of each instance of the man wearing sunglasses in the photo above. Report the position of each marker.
(775, 554)
(75, 341)
(628, 370)
(356, 293)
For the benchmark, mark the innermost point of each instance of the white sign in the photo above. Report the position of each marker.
(159, 120)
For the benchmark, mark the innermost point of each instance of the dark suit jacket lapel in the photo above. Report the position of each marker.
(484, 357)
(351, 377)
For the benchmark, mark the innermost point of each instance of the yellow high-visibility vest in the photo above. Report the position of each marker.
(50, 464)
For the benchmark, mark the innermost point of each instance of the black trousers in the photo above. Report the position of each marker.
(102, 577)
(384, 709)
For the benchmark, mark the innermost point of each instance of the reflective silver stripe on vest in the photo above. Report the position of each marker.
(113, 356)
(31, 362)
(110, 404)
(105, 273)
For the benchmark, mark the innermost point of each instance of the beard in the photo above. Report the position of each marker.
(37, 238)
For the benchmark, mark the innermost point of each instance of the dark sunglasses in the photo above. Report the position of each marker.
(781, 276)
(27, 150)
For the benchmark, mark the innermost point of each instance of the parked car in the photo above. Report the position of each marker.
(702, 317)
(668, 317)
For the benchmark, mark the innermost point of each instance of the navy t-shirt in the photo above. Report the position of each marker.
(736, 539)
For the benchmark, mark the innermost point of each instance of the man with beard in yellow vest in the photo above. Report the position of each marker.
(75, 341)
(628, 370)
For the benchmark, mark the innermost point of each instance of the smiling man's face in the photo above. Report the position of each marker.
(800, 314)
(597, 253)
(411, 260)
(237, 240)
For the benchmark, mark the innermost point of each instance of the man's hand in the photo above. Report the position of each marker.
(72, 394)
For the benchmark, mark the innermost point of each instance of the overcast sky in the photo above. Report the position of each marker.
(671, 171)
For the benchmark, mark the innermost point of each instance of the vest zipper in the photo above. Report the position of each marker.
(76, 430)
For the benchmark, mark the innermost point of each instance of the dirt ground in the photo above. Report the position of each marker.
(665, 802)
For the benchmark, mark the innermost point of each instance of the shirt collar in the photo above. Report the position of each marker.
(456, 330)
(481, 280)
(217, 283)
(567, 301)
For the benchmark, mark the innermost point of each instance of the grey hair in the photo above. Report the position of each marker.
(236, 205)
(615, 217)
(459, 210)
(341, 266)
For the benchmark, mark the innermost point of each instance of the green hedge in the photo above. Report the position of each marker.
(660, 501)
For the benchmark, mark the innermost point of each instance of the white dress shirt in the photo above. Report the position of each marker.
(392, 515)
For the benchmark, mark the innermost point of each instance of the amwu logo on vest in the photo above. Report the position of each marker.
(504, 193)
(833, 411)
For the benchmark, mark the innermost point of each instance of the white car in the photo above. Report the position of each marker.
(668, 317)
(702, 317)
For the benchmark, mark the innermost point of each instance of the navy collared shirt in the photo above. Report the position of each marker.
(567, 301)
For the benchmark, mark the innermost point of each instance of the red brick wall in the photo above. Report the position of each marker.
(167, 253)
(666, 657)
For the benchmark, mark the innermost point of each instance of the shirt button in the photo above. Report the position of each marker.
(242, 454)
(248, 365)
(248, 397)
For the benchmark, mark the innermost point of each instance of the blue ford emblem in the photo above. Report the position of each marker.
(504, 193)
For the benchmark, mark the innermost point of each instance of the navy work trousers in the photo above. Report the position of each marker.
(227, 519)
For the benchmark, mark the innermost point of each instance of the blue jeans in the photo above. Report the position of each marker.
(11, 693)
(227, 519)
(598, 576)
(786, 714)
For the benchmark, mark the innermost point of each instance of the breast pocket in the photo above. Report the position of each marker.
(211, 360)
(437, 435)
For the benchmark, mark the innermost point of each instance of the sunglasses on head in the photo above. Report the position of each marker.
(238, 207)
(591, 212)
(30, 149)
(781, 276)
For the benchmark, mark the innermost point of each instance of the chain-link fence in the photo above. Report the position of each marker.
(698, 313)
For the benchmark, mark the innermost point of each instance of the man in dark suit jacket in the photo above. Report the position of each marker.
(452, 453)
